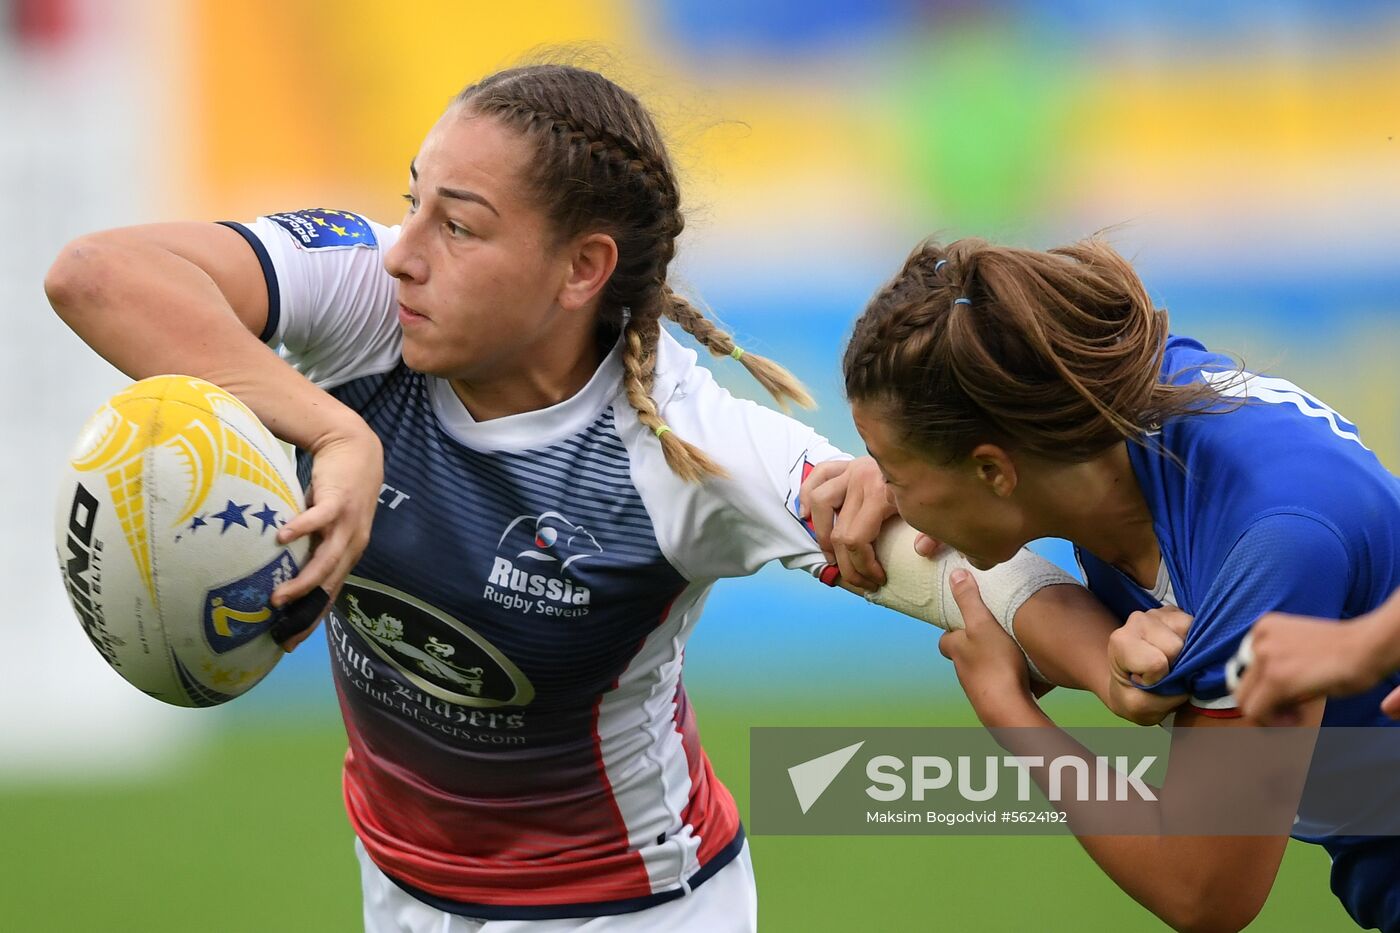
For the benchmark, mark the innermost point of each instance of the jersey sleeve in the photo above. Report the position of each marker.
(332, 308)
(730, 526)
(1284, 562)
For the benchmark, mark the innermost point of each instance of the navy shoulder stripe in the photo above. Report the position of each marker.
(274, 298)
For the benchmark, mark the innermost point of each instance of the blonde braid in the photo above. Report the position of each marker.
(781, 384)
(639, 365)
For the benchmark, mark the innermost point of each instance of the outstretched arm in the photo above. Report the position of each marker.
(1191, 882)
(1063, 629)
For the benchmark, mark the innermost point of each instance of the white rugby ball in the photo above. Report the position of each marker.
(166, 528)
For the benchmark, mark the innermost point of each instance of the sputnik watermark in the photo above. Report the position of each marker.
(1103, 780)
(1112, 779)
(810, 779)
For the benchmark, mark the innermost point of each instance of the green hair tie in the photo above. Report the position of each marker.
(661, 430)
(737, 352)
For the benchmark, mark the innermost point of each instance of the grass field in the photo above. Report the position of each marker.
(249, 835)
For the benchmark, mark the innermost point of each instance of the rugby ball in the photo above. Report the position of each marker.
(166, 527)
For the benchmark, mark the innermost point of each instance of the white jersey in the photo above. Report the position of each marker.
(508, 650)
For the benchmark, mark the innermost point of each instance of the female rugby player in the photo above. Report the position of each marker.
(557, 484)
(1010, 394)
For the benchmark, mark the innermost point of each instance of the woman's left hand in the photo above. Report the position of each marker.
(990, 665)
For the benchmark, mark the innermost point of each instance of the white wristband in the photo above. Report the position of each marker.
(918, 586)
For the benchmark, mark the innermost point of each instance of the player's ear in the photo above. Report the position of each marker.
(592, 259)
(994, 468)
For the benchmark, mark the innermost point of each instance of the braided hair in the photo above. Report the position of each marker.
(1054, 353)
(602, 163)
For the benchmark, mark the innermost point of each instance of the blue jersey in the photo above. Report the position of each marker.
(1272, 503)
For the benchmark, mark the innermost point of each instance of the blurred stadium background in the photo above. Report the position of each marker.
(1248, 151)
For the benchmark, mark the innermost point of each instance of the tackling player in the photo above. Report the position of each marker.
(559, 484)
(1009, 395)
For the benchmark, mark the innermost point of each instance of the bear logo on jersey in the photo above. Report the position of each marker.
(531, 570)
(437, 653)
(549, 537)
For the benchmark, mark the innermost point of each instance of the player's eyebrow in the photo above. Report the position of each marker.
(461, 194)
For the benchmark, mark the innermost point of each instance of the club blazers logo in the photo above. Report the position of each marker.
(532, 570)
(437, 653)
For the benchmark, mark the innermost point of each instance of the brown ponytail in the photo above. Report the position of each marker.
(1055, 353)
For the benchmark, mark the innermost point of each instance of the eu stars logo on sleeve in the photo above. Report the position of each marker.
(319, 228)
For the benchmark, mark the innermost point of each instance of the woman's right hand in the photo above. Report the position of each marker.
(192, 298)
(1140, 653)
(347, 473)
(847, 504)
